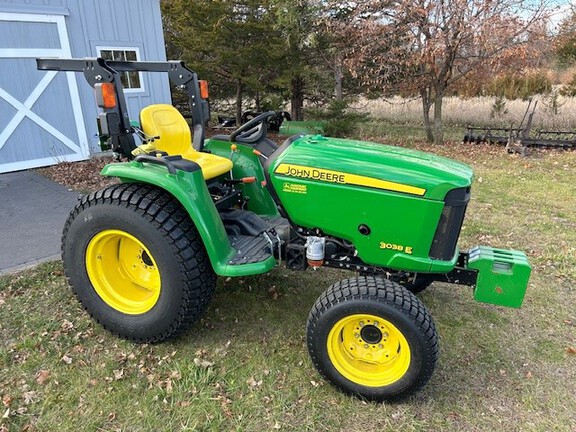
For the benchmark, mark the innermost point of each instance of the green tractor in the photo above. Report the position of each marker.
(143, 256)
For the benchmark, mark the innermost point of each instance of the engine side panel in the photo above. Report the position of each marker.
(386, 202)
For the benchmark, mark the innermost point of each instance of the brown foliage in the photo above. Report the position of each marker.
(424, 47)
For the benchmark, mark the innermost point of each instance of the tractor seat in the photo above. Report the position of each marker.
(166, 122)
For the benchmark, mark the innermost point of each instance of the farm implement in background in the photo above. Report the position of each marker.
(519, 139)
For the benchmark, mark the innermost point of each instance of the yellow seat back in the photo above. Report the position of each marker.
(166, 122)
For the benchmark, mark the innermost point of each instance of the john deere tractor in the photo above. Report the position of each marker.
(143, 256)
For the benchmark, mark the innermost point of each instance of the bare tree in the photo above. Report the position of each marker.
(423, 47)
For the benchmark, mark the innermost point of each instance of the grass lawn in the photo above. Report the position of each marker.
(245, 367)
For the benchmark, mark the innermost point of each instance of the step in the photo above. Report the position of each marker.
(250, 249)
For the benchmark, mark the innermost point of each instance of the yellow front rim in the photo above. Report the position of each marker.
(123, 272)
(368, 350)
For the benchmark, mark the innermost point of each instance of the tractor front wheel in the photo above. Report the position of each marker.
(371, 337)
(136, 262)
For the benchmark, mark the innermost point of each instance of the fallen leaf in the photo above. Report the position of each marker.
(6, 400)
(6, 414)
(571, 350)
(252, 383)
(41, 376)
(205, 364)
(276, 426)
(66, 359)
(314, 383)
(67, 325)
(29, 397)
(529, 375)
(3, 428)
(274, 292)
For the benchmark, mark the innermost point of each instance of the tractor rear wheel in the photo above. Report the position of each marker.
(136, 262)
(370, 337)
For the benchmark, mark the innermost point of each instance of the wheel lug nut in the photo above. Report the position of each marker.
(356, 335)
(375, 323)
(366, 346)
(361, 323)
(380, 346)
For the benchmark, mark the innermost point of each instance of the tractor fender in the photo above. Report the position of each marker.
(189, 188)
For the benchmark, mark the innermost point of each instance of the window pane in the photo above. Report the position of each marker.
(124, 79)
(119, 55)
(134, 79)
(130, 80)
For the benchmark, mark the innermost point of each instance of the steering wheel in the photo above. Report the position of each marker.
(254, 130)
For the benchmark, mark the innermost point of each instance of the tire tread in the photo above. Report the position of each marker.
(385, 291)
(166, 214)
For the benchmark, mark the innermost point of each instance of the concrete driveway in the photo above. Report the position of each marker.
(33, 211)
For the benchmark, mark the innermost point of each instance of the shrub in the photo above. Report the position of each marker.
(512, 86)
(498, 107)
(340, 121)
(570, 88)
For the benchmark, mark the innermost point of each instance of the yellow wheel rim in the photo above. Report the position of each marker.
(123, 272)
(368, 350)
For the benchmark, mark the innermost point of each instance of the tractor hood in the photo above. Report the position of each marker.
(366, 164)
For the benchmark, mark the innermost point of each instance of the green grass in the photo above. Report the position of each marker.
(499, 370)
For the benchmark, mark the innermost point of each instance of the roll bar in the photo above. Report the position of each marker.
(99, 70)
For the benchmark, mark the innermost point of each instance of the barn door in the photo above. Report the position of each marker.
(41, 120)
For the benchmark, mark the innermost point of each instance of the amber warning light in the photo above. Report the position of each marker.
(105, 95)
(203, 89)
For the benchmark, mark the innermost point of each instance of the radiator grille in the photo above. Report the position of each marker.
(448, 231)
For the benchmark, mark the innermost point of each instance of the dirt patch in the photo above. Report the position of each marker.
(82, 176)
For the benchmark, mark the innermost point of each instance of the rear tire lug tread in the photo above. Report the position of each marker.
(141, 196)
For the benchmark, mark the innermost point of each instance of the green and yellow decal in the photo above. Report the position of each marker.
(338, 177)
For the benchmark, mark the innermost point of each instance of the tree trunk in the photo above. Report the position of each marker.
(257, 101)
(297, 98)
(239, 92)
(438, 123)
(426, 104)
(338, 77)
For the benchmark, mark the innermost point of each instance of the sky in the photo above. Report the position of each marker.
(563, 6)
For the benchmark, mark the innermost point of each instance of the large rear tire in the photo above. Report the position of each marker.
(372, 338)
(136, 262)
